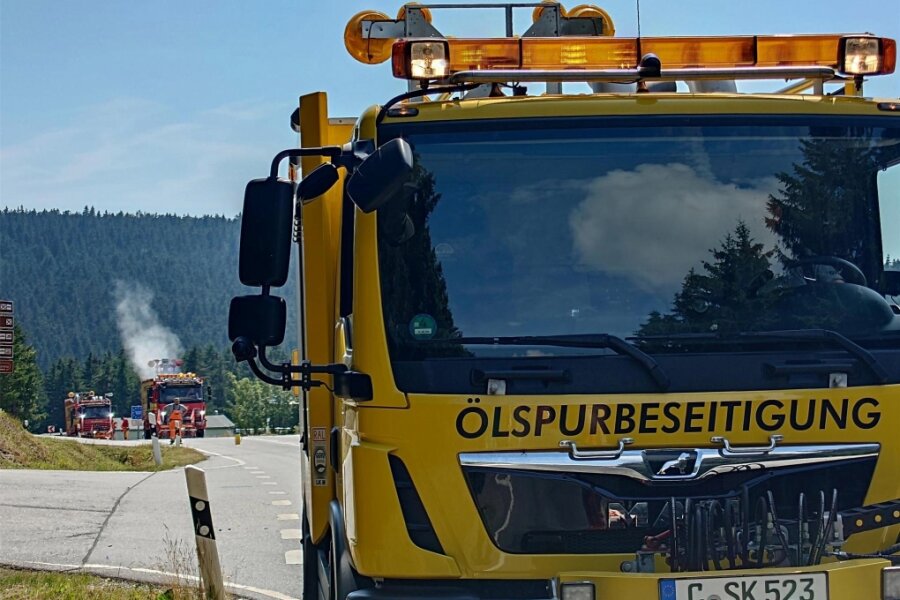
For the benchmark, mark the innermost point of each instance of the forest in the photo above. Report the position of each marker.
(67, 271)
(92, 292)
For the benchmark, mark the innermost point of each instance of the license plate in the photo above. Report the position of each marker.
(813, 586)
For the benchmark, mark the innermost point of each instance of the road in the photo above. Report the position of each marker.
(138, 525)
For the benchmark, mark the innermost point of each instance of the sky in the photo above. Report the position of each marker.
(173, 105)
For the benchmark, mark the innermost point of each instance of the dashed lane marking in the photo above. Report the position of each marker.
(291, 534)
(270, 483)
(288, 517)
(293, 557)
(264, 477)
(281, 502)
(278, 493)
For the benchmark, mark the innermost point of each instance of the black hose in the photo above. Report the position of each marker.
(763, 530)
(700, 525)
(673, 551)
(745, 526)
(730, 537)
(714, 510)
(801, 520)
(778, 531)
(820, 530)
(832, 517)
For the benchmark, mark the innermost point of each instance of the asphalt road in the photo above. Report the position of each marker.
(138, 525)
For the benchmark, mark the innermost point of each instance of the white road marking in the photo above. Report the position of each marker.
(281, 502)
(264, 477)
(291, 534)
(293, 557)
(278, 493)
(288, 517)
(252, 468)
(292, 445)
(239, 462)
(269, 483)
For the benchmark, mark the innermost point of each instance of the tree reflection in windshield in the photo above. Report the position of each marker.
(702, 226)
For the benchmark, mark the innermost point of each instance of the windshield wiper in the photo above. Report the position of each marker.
(589, 340)
(790, 335)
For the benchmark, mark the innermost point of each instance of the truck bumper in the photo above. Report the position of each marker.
(849, 580)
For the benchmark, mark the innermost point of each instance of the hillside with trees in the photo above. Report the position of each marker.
(64, 271)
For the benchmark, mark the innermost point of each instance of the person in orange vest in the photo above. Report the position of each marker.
(124, 428)
(175, 422)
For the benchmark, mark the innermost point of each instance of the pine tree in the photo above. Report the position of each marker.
(22, 391)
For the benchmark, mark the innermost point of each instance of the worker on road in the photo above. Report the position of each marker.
(124, 428)
(175, 422)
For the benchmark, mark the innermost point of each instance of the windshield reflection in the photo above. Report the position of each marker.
(634, 231)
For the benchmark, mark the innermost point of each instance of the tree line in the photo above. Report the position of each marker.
(62, 270)
(37, 396)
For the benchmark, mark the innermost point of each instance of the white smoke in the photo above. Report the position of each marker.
(143, 336)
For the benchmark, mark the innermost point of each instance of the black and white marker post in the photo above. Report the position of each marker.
(207, 553)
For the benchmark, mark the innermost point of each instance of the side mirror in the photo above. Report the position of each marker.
(892, 283)
(317, 182)
(381, 176)
(266, 228)
(260, 319)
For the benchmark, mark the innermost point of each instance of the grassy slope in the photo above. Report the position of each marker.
(21, 450)
(22, 585)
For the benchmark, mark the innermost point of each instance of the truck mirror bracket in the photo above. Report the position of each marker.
(347, 384)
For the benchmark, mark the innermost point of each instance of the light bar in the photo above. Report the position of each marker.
(848, 55)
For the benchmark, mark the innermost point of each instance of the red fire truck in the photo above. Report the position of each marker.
(89, 415)
(169, 390)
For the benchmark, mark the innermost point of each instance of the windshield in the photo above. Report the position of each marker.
(671, 227)
(185, 393)
(95, 412)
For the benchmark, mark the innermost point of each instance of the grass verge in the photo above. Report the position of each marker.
(21, 450)
(38, 585)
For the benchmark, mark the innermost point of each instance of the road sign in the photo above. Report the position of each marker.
(6, 352)
(6, 306)
(6, 338)
(137, 413)
(6, 322)
(6, 366)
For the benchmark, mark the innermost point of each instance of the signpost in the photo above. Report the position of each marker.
(6, 336)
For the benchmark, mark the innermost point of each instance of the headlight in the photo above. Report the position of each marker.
(577, 591)
(867, 55)
(890, 583)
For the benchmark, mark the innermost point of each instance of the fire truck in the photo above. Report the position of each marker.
(591, 317)
(89, 415)
(172, 389)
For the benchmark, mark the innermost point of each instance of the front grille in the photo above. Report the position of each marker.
(528, 512)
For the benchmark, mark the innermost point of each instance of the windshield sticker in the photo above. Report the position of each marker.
(475, 421)
(422, 327)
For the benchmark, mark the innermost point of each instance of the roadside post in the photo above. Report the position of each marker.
(157, 453)
(204, 533)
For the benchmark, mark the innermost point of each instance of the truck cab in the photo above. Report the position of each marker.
(641, 341)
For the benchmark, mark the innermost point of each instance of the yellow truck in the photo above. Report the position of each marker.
(581, 320)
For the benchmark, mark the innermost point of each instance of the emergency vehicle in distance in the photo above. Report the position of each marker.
(89, 415)
(169, 387)
(588, 317)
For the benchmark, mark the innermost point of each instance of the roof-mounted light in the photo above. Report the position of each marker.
(421, 59)
(435, 59)
(867, 55)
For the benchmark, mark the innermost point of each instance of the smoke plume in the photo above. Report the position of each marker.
(143, 336)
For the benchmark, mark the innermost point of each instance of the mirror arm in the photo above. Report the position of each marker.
(331, 152)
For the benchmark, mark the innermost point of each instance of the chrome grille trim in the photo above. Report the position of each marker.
(634, 464)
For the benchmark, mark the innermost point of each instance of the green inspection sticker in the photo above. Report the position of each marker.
(422, 327)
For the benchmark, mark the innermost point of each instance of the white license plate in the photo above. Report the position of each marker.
(813, 586)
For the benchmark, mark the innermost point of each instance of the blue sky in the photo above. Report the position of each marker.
(172, 105)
